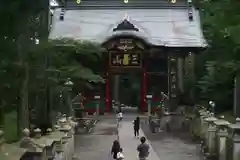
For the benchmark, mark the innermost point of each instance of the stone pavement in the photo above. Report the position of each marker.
(97, 145)
(129, 143)
(173, 145)
(163, 146)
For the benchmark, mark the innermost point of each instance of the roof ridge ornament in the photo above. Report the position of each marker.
(126, 16)
(190, 10)
(125, 24)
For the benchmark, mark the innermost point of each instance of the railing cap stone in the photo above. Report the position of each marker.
(37, 130)
(221, 117)
(237, 119)
(49, 130)
(210, 119)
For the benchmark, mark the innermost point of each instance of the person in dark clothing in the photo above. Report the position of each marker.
(143, 149)
(115, 149)
(136, 126)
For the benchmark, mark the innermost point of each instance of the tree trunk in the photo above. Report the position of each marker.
(24, 100)
(24, 110)
(2, 105)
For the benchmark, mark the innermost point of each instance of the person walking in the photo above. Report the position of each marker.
(136, 126)
(115, 149)
(143, 149)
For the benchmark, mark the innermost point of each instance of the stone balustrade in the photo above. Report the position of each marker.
(57, 144)
(221, 139)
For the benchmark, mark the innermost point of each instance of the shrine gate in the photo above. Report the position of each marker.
(153, 39)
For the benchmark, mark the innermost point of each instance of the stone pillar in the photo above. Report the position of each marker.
(38, 133)
(236, 147)
(211, 134)
(222, 138)
(203, 115)
(108, 98)
(180, 74)
(190, 71)
(116, 83)
(205, 125)
(40, 145)
(222, 135)
(172, 82)
(67, 126)
(235, 130)
(234, 150)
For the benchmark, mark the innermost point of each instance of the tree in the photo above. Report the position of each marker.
(59, 56)
(32, 76)
(218, 64)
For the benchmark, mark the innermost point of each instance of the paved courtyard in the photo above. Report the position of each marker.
(171, 146)
(97, 145)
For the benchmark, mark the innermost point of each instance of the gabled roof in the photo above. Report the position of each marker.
(130, 4)
(158, 27)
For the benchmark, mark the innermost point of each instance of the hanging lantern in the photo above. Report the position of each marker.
(78, 1)
(173, 1)
(125, 1)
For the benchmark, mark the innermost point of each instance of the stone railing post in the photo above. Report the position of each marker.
(40, 145)
(73, 124)
(57, 135)
(50, 144)
(236, 147)
(222, 135)
(27, 142)
(67, 126)
(211, 135)
(38, 133)
(203, 124)
(234, 130)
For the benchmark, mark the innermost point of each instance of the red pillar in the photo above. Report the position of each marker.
(144, 90)
(108, 97)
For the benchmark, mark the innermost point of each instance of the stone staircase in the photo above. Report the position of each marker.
(119, 4)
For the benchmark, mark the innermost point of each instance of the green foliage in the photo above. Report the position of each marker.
(217, 65)
(11, 133)
(48, 65)
(33, 76)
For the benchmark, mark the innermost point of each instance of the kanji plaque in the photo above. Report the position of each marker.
(125, 59)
